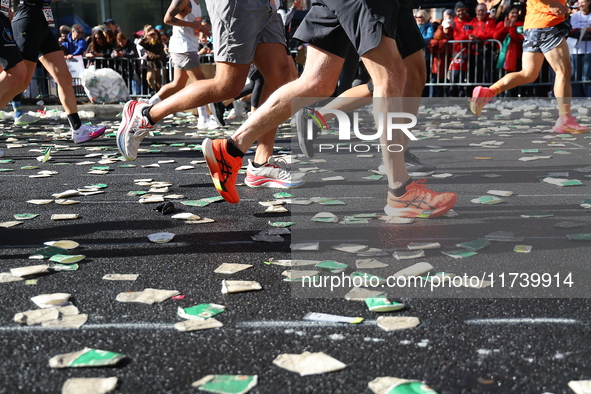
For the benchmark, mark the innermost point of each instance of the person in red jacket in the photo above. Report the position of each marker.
(458, 67)
(480, 59)
(511, 50)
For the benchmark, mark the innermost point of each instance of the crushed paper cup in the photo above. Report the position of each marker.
(238, 286)
(161, 238)
(89, 385)
(51, 300)
(86, 357)
(308, 363)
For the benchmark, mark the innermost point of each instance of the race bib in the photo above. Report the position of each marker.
(48, 14)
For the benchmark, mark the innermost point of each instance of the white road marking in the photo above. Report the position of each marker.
(539, 320)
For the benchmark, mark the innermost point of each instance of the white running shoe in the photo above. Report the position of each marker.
(273, 174)
(133, 129)
(26, 119)
(239, 109)
(87, 133)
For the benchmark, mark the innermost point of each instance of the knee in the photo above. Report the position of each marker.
(529, 76)
(226, 87)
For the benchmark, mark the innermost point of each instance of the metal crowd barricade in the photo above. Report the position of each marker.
(132, 70)
(454, 64)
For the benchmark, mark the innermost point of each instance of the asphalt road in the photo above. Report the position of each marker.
(500, 339)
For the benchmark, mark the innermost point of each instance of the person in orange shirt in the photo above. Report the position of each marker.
(544, 37)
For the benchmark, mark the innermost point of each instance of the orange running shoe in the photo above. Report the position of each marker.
(569, 126)
(223, 167)
(418, 201)
(480, 97)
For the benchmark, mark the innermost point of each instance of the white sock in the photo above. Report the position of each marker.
(155, 99)
(202, 112)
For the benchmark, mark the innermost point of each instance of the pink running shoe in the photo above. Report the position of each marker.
(569, 126)
(480, 97)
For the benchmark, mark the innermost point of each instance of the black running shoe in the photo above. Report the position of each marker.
(415, 167)
(217, 112)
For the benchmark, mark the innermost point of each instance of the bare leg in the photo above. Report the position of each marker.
(559, 60)
(272, 63)
(318, 80)
(531, 66)
(228, 81)
(11, 82)
(388, 73)
(55, 64)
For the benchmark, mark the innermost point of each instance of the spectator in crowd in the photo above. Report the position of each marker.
(75, 44)
(545, 30)
(481, 59)
(458, 67)
(510, 32)
(580, 49)
(156, 57)
(204, 47)
(441, 52)
(163, 37)
(64, 31)
(424, 23)
(111, 37)
(112, 26)
(98, 47)
(125, 49)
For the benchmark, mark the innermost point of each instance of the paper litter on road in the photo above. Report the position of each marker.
(161, 238)
(64, 244)
(562, 182)
(459, 254)
(201, 311)
(522, 248)
(580, 386)
(382, 304)
(569, 224)
(276, 209)
(86, 357)
(417, 269)
(25, 216)
(297, 275)
(231, 268)
(194, 325)
(51, 300)
(89, 385)
(423, 245)
(474, 245)
(369, 264)
(30, 270)
(308, 363)
(39, 202)
(579, 237)
(392, 323)
(238, 286)
(226, 384)
(64, 216)
(7, 277)
(37, 316)
(325, 217)
(306, 246)
(328, 318)
(360, 294)
(10, 224)
(487, 200)
(67, 259)
(350, 248)
(405, 255)
(121, 276)
(536, 214)
(382, 384)
(146, 296)
(500, 193)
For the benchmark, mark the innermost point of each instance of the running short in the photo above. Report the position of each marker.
(238, 26)
(332, 25)
(408, 36)
(10, 55)
(545, 39)
(185, 61)
(34, 39)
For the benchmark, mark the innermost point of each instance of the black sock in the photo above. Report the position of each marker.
(233, 149)
(75, 121)
(399, 191)
(257, 165)
(146, 113)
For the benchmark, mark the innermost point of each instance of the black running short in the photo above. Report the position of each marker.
(333, 25)
(34, 38)
(408, 36)
(10, 55)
